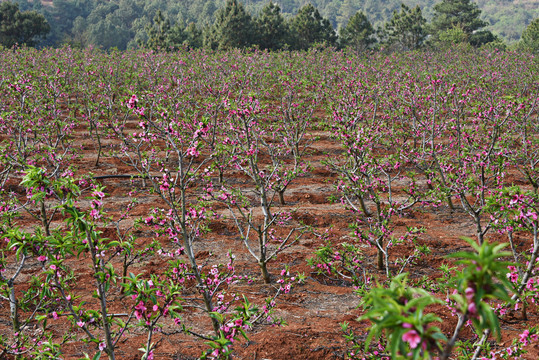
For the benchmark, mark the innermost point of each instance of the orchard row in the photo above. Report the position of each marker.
(223, 136)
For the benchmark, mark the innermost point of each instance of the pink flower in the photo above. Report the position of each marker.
(99, 194)
(95, 204)
(472, 309)
(132, 102)
(524, 337)
(469, 293)
(54, 315)
(42, 258)
(165, 186)
(140, 306)
(95, 214)
(412, 337)
(513, 277)
(102, 346)
(193, 151)
(149, 220)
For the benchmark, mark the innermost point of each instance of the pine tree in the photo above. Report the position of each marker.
(358, 33)
(406, 29)
(233, 28)
(451, 13)
(208, 11)
(345, 12)
(309, 27)
(193, 36)
(271, 28)
(453, 16)
(455, 35)
(107, 35)
(18, 27)
(158, 32)
(530, 37)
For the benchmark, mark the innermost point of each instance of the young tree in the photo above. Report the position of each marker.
(18, 27)
(272, 28)
(310, 27)
(248, 141)
(406, 29)
(358, 33)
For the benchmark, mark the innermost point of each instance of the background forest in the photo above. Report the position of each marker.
(126, 24)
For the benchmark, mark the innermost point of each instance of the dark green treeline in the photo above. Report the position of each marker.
(283, 24)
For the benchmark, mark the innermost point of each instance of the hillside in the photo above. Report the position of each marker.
(126, 19)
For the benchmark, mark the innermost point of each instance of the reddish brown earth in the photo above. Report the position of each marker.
(312, 310)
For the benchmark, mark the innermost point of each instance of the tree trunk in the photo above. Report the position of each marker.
(264, 270)
(281, 198)
(44, 220)
(14, 308)
(380, 257)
